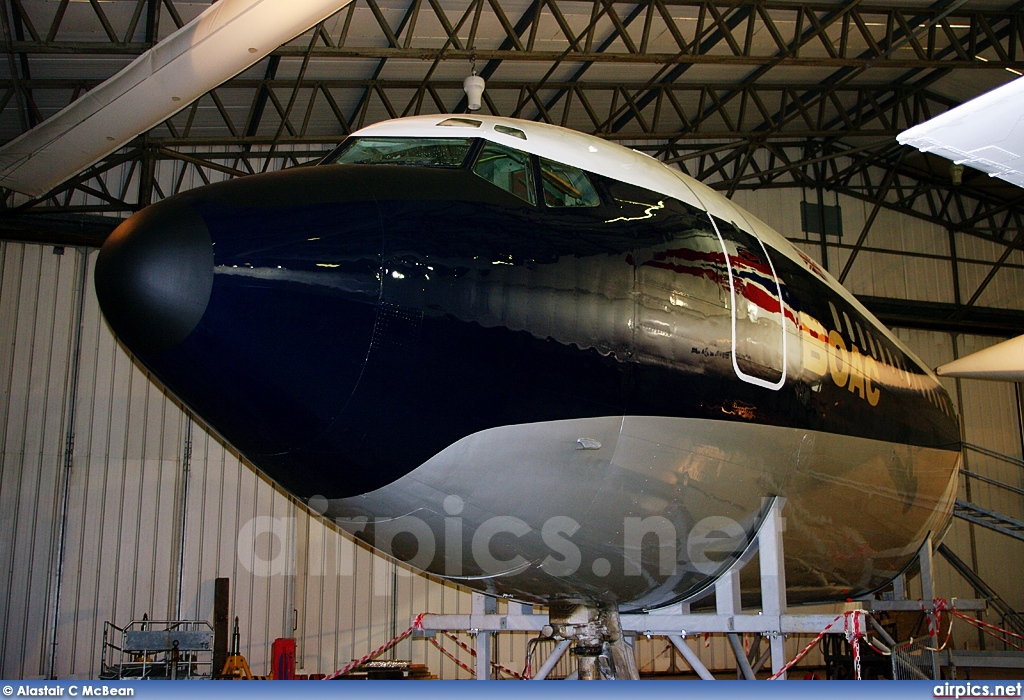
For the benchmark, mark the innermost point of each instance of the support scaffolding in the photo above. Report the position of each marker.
(593, 633)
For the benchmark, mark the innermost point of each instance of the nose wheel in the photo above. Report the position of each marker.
(598, 643)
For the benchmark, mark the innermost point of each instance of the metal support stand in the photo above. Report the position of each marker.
(483, 605)
(483, 655)
(773, 582)
(924, 556)
(552, 660)
(599, 633)
(741, 657)
(899, 588)
(728, 603)
(691, 658)
(760, 661)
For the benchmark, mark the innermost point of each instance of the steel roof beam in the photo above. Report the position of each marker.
(501, 54)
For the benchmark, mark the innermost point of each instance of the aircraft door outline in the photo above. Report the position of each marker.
(757, 381)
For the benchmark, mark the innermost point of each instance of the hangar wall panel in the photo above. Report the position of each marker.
(37, 308)
(915, 271)
(977, 256)
(903, 257)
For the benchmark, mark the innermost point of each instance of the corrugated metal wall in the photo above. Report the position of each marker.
(38, 292)
(149, 509)
(903, 257)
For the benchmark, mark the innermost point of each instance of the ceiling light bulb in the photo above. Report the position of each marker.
(474, 87)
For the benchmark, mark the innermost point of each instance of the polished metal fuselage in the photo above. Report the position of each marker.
(643, 510)
(589, 404)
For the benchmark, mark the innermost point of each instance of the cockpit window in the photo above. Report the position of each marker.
(460, 121)
(507, 168)
(566, 186)
(431, 153)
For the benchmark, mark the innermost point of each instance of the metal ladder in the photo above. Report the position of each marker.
(989, 518)
(992, 520)
(1011, 619)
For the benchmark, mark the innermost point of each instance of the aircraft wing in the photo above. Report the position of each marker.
(220, 43)
(1004, 362)
(986, 133)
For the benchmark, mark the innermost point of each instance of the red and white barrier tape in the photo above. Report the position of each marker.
(803, 652)
(939, 606)
(472, 651)
(934, 617)
(991, 629)
(853, 637)
(452, 656)
(416, 624)
(854, 633)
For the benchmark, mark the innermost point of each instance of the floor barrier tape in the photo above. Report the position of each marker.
(855, 631)
(416, 624)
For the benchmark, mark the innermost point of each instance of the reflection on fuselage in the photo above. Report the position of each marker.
(387, 335)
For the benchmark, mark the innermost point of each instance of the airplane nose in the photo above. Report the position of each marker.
(154, 276)
(254, 301)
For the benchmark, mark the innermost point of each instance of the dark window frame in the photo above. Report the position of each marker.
(532, 169)
(475, 147)
(539, 175)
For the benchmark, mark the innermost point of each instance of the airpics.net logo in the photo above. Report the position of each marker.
(977, 690)
(646, 546)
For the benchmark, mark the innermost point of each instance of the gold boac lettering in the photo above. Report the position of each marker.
(856, 373)
(871, 373)
(815, 350)
(838, 364)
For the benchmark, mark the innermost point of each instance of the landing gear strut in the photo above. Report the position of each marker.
(597, 641)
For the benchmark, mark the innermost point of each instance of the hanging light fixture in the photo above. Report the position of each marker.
(474, 87)
(956, 172)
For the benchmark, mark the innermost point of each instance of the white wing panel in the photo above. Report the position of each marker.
(223, 41)
(986, 133)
